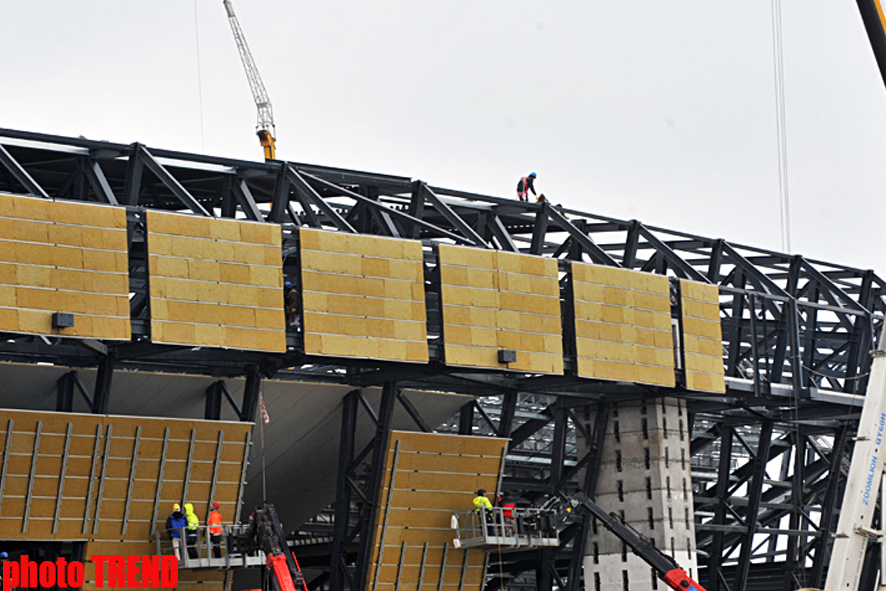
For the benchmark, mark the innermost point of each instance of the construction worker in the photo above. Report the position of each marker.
(215, 530)
(193, 526)
(525, 185)
(291, 301)
(483, 507)
(508, 505)
(174, 525)
(3, 558)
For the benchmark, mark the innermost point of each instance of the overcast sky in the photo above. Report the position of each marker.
(658, 111)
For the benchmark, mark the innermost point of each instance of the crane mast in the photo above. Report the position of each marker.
(265, 125)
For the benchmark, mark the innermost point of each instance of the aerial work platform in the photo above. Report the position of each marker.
(203, 550)
(493, 532)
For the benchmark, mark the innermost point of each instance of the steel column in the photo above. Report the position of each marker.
(373, 485)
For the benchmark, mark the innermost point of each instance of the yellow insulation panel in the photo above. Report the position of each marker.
(702, 337)
(86, 486)
(427, 478)
(363, 296)
(496, 300)
(215, 283)
(623, 325)
(63, 256)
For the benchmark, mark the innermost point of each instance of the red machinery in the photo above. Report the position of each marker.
(665, 566)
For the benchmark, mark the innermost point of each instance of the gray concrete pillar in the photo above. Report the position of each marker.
(645, 478)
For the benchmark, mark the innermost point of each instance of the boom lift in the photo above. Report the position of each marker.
(281, 572)
(665, 567)
(536, 528)
(867, 470)
(867, 474)
(265, 126)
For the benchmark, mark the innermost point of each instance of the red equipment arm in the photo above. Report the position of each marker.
(678, 579)
(278, 566)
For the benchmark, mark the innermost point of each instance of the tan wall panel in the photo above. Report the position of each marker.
(216, 283)
(356, 290)
(449, 465)
(702, 336)
(496, 300)
(623, 325)
(116, 473)
(64, 257)
(204, 580)
(471, 463)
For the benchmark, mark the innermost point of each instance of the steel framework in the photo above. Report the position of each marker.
(796, 340)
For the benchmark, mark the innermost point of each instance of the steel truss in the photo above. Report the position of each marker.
(796, 334)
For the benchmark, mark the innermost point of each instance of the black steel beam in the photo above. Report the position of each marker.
(755, 489)
(169, 181)
(251, 393)
(20, 174)
(339, 571)
(307, 193)
(374, 484)
(453, 218)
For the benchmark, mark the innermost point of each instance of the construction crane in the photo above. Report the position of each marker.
(867, 470)
(265, 126)
(867, 475)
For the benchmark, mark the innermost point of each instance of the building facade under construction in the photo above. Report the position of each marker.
(367, 351)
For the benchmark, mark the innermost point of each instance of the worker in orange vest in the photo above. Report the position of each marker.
(525, 185)
(215, 530)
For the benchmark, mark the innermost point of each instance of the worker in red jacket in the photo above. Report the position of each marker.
(525, 185)
(508, 506)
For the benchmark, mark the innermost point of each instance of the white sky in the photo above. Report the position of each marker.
(659, 111)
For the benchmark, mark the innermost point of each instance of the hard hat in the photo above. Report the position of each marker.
(176, 507)
(287, 284)
(4, 555)
(481, 492)
(215, 505)
(532, 174)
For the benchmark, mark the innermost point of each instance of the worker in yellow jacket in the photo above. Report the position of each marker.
(482, 503)
(191, 532)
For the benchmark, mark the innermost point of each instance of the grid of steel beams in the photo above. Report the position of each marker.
(796, 340)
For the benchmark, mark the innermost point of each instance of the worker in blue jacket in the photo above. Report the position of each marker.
(174, 525)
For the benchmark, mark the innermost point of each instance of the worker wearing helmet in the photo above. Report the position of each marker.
(525, 185)
(174, 525)
(193, 525)
(483, 507)
(3, 558)
(215, 530)
(481, 501)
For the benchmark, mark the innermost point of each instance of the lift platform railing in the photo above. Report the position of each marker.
(200, 552)
(492, 530)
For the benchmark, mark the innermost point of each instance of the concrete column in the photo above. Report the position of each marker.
(645, 477)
